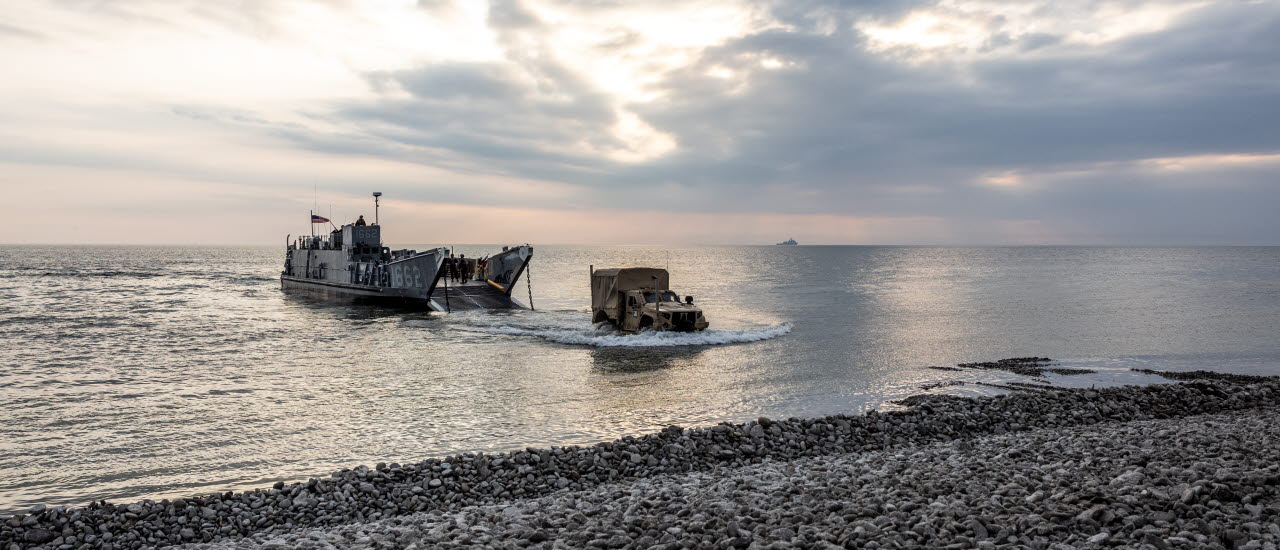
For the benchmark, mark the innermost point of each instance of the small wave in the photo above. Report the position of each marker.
(251, 279)
(161, 271)
(106, 274)
(77, 274)
(604, 336)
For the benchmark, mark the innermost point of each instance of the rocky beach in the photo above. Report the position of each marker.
(1192, 463)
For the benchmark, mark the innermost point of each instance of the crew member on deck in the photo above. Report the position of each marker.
(360, 221)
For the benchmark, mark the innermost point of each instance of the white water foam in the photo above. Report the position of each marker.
(579, 332)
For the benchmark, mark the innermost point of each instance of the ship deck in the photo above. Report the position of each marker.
(470, 295)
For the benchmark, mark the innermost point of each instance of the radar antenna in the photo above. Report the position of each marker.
(376, 194)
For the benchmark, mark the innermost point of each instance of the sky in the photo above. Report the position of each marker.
(606, 121)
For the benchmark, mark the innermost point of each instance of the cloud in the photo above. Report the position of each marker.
(846, 129)
(12, 31)
(1100, 121)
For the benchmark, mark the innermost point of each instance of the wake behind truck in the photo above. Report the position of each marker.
(640, 298)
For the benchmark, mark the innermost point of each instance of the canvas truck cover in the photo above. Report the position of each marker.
(607, 283)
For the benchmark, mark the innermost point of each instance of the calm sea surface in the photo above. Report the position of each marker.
(143, 372)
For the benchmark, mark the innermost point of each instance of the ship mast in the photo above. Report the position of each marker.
(377, 194)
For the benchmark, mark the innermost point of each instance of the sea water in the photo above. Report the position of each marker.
(151, 372)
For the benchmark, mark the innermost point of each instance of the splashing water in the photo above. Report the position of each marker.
(577, 331)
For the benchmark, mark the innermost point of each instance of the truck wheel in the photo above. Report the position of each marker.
(646, 322)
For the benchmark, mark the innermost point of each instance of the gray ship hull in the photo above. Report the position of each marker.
(329, 289)
(472, 295)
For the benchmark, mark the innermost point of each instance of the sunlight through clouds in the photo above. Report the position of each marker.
(927, 30)
(955, 27)
(1003, 179)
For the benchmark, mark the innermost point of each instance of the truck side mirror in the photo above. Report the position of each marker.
(688, 299)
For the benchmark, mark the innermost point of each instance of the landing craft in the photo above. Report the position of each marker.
(351, 263)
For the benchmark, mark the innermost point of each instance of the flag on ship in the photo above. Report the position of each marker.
(319, 219)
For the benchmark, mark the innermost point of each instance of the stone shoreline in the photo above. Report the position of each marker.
(1145, 484)
(463, 486)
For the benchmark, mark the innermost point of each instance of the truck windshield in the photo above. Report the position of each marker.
(667, 296)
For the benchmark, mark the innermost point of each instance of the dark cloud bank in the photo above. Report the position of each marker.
(843, 129)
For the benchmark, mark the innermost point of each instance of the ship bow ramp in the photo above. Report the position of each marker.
(494, 290)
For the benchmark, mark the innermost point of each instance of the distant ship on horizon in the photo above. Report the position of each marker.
(788, 242)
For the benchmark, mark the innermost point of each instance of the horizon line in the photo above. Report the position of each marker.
(901, 245)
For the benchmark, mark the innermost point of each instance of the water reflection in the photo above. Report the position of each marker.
(620, 360)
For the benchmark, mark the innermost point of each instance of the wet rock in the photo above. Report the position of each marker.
(979, 530)
(1127, 478)
(1026, 366)
(38, 536)
(1185, 376)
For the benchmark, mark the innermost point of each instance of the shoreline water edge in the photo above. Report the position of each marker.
(1079, 468)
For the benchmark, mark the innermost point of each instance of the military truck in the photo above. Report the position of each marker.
(640, 298)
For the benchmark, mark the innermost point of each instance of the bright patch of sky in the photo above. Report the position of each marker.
(952, 27)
